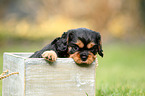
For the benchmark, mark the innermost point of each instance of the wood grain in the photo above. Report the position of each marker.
(40, 78)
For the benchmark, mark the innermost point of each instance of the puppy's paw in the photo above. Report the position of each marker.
(50, 55)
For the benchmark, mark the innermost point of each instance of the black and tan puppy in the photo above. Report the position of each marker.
(80, 44)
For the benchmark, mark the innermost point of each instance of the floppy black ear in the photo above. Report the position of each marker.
(70, 36)
(66, 36)
(100, 51)
(99, 45)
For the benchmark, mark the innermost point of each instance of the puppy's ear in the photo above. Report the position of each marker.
(70, 36)
(65, 36)
(100, 51)
(99, 45)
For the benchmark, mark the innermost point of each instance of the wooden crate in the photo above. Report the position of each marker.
(37, 77)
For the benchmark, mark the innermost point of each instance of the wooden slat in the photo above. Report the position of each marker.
(39, 78)
(13, 85)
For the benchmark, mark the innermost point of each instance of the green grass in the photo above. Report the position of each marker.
(120, 72)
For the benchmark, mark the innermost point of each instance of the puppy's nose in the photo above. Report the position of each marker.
(84, 57)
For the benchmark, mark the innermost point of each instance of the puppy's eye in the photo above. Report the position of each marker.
(93, 48)
(75, 48)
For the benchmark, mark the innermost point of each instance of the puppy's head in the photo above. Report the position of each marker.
(83, 45)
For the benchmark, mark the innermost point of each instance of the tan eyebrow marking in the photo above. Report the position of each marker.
(90, 45)
(80, 43)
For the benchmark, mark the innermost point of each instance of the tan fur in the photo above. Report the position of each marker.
(90, 45)
(50, 55)
(77, 58)
(80, 43)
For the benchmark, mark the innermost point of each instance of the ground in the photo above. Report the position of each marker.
(120, 71)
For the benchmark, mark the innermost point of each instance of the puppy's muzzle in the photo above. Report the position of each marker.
(84, 56)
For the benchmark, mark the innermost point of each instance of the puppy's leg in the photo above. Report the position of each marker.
(50, 55)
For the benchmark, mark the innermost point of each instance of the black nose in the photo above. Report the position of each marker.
(84, 57)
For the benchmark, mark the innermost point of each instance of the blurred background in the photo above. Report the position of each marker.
(28, 25)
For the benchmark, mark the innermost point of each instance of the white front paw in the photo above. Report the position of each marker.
(50, 55)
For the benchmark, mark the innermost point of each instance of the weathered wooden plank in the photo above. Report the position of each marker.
(39, 78)
(13, 85)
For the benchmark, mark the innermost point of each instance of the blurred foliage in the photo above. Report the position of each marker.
(35, 19)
